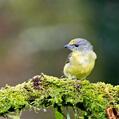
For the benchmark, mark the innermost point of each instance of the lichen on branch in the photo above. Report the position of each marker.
(87, 99)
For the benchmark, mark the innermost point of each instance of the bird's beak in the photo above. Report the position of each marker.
(66, 46)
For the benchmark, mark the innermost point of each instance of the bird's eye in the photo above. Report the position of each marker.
(76, 45)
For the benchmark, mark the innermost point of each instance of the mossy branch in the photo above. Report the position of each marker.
(87, 99)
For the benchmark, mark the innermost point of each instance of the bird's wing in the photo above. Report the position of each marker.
(68, 58)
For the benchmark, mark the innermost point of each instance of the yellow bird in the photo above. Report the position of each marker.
(81, 60)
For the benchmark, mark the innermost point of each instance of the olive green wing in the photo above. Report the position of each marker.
(68, 58)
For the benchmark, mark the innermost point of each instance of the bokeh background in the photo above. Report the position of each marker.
(33, 33)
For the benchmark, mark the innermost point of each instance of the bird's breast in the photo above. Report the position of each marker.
(82, 59)
(80, 64)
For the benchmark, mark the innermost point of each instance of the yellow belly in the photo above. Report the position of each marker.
(80, 65)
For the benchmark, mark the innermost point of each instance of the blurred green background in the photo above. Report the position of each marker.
(33, 34)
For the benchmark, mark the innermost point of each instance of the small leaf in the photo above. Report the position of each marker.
(58, 115)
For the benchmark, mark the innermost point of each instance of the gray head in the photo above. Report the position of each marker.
(79, 44)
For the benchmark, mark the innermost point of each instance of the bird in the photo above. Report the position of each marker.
(81, 60)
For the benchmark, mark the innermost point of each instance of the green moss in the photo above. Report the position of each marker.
(12, 99)
(87, 99)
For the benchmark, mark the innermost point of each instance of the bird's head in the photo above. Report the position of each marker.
(79, 44)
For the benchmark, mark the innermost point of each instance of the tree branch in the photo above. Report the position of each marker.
(87, 99)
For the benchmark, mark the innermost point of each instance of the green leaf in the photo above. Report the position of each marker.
(58, 115)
